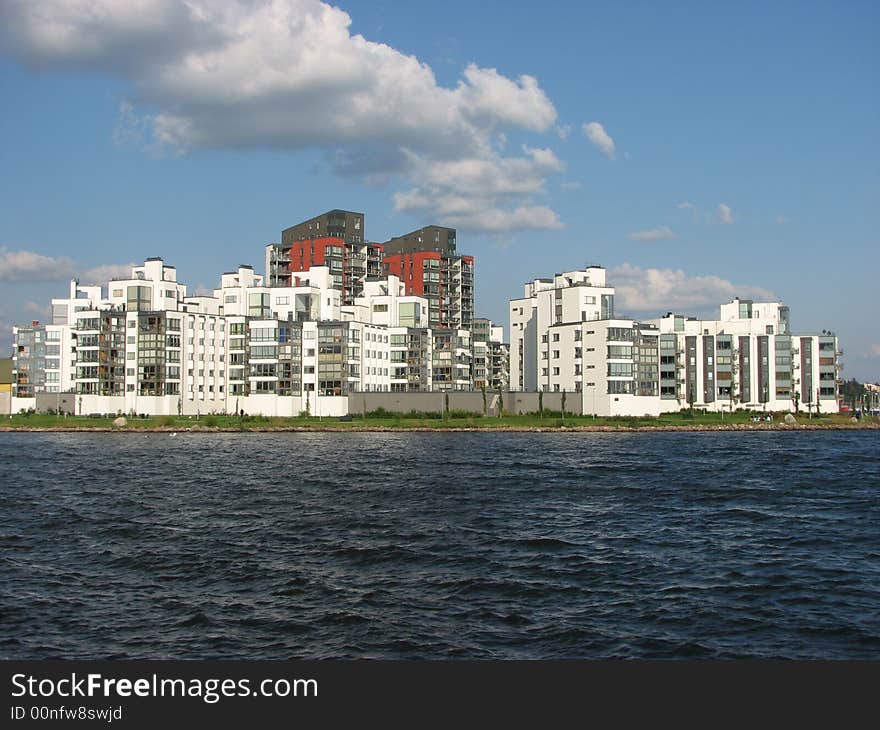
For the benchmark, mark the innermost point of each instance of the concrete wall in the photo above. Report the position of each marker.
(471, 401)
(61, 402)
(23, 404)
(5, 402)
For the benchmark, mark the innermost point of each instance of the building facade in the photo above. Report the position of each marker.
(427, 263)
(566, 337)
(143, 345)
(334, 240)
(490, 357)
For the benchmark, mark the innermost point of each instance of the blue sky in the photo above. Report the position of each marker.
(734, 146)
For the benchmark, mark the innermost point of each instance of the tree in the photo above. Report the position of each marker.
(541, 404)
(795, 394)
(563, 405)
(500, 402)
(485, 403)
(852, 391)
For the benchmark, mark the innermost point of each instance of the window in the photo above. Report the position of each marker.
(620, 369)
(258, 305)
(139, 299)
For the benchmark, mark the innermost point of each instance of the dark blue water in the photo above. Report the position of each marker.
(438, 545)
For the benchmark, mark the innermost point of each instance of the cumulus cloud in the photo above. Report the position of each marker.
(660, 233)
(466, 193)
(724, 214)
(598, 136)
(289, 74)
(662, 290)
(685, 205)
(29, 266)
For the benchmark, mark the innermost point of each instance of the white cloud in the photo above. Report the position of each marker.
(686, 206)
(286, 74)
(598, 136)
(571, 185)
(28, 266)
(660, 233)
(34, 308)
(664, 290)
(724, 214)
(31, 266)
(874, 350)
(492, 195)
(563, 130)
(104, 273)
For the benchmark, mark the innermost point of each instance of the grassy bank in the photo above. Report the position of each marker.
(383, 421)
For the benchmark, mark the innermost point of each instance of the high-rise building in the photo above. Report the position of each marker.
(427, 263)
(334, 239)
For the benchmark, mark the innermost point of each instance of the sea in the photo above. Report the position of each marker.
(408, 545)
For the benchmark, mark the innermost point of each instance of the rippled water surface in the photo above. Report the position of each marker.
(440, 545)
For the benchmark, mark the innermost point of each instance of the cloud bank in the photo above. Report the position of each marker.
(290, 74)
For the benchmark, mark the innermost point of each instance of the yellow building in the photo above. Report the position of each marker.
(6, 375)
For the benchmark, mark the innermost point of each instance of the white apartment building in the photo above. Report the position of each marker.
(142, 345)
(747, 358)
(565, 337)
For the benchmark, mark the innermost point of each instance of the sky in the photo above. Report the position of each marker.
(697, 150)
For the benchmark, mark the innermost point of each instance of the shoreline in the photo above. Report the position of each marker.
(446, 429)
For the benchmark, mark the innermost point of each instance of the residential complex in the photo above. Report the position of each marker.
(565, 336)
(335, 316)
(143, 345)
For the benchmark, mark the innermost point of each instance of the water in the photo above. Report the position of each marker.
(440, 545)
